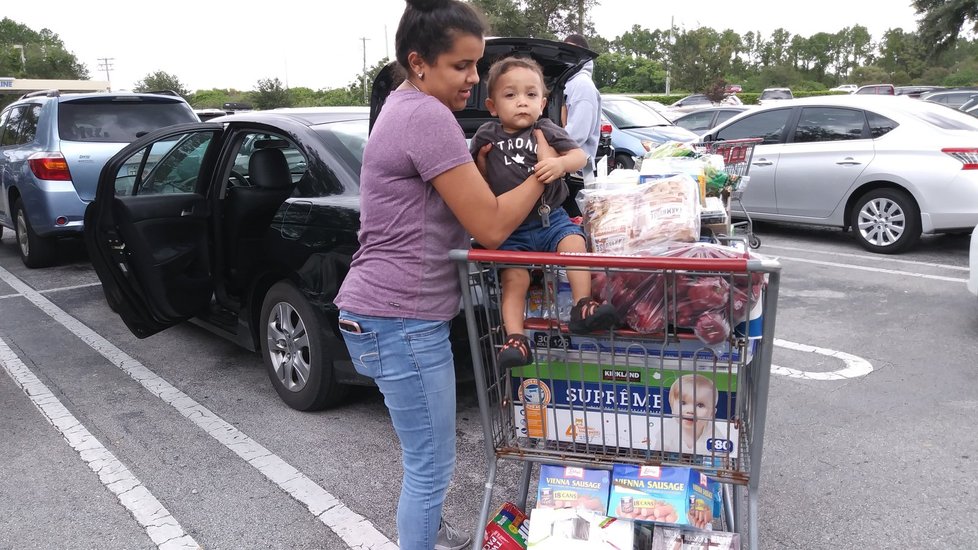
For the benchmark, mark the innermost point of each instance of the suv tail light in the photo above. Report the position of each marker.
(606, 128)
(968, 156)
(49, 166)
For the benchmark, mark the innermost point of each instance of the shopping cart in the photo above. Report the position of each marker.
(737, 156)
(600, 399)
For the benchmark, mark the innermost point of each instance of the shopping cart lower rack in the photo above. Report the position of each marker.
(666, 398)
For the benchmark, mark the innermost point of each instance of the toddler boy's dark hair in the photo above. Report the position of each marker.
(504, 65)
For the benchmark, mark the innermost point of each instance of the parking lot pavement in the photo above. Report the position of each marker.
(845, 458)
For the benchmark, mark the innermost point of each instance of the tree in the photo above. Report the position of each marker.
(270, 94)
(161, 80)
(25, 53)
(942, 22)
(355, 89)
(552, 19)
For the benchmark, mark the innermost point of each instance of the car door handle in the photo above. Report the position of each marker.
(848, 161)
(187, 212)
(762, 162)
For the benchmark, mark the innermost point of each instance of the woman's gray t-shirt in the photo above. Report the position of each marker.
(406, 229)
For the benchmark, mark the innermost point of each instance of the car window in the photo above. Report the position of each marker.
(118, 121)
(253, 141)
(3, 123)
(28, 128)
(768, 125)
(724, 116)
(696, 121)
(776, 94)
(172, 165)
(829, 124)
(879, 125)
(11, 127)
(632, 114)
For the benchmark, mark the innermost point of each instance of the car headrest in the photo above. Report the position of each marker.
(268, 169)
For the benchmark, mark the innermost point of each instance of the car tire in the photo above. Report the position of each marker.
(886, 221)
(623, 160)
(293, 347)
(35, 251)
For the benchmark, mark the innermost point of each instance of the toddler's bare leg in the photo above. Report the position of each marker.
(516, 284)
(579, 279)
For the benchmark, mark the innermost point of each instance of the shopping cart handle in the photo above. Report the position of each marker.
(736, 265)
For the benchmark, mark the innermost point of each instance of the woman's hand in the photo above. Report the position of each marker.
(480, 160)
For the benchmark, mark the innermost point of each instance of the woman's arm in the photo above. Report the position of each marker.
(488, 218)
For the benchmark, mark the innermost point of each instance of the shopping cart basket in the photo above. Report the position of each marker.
(737, 156)
(601, 399)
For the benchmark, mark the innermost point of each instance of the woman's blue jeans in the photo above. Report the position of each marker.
(411, 362)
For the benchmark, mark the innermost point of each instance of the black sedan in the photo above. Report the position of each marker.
(247, 224)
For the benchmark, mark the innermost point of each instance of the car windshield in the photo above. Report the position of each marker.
(632, 114)
(118, 121)
(776, 94)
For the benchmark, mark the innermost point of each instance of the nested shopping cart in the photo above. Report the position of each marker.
(611, 397)
(737, 156)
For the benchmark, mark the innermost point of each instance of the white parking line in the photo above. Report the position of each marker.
(9, 296)
(354, 529)
(855, 366)
(875, 269)
(874, 257)
(161, 527)
(63, 288)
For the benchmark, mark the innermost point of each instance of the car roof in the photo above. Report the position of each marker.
(308, 116)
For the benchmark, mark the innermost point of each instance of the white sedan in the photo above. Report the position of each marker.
(889, 168)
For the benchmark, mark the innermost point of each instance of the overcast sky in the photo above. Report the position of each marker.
(222, 44)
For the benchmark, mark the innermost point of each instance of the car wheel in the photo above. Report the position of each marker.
(35, 251)
(293, 345)
(625, 161)
(887, 221)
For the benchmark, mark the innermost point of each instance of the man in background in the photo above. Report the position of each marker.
(582, 118)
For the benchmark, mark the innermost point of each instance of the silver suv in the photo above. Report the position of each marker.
(52, 149)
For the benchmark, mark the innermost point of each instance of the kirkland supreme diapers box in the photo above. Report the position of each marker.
(573, 487)
(676, 538)
(681, 496)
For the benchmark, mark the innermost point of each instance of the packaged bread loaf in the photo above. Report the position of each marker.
(641, 219)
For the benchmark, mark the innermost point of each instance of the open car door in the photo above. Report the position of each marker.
(148, 229)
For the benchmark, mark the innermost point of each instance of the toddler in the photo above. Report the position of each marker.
(517, 95)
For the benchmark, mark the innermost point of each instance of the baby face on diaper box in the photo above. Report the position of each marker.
(662, 494)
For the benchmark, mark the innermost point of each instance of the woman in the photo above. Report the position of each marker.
(421, 194)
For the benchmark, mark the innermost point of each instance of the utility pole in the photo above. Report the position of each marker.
(672, 21)
(105, 63)
(580, 17)
(364, 40)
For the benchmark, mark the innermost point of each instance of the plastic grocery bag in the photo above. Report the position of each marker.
(642, 219)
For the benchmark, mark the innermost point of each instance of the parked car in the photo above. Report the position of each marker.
(887, 167)
(248, 223)
(733, 89)
(52, 147)
(953, 98)
(687, 104)
(637, 128)
(769, 95)
(970, 107)
(973, 263)
(206, 114)
(915, 91)
(848, 88)
(876, 89)
(704, 119)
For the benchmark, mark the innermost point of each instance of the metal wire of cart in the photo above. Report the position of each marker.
(545, 413)
(737, 156)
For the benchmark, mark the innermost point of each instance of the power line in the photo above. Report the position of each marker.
(105, 64)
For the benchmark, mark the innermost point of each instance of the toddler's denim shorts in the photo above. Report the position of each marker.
(532, 236)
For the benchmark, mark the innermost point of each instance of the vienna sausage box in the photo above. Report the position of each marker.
(655, 409)
(573, 487)
(682, 496)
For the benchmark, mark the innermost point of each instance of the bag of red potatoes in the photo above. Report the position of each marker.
(650, 302)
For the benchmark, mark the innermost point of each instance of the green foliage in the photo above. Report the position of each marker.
(161, 80)
(270, 94)
(943, 21)
(25, 53)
